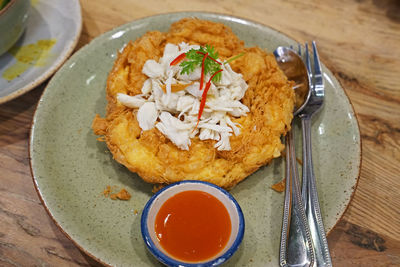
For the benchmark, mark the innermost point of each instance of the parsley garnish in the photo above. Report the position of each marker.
(206, 58)
(194, 58)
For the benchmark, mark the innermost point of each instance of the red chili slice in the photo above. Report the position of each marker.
(215, 73)
(203, 101)
(204, 97)
(198, 52)
(177, 59)
(202, 71)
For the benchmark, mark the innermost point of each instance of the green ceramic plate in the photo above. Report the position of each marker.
(71, 169)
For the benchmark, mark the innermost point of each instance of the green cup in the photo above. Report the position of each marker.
(13, 20)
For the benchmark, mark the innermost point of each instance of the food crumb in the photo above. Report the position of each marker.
(107, 191)
(101, 139)
(135, 212)
(280, 186)
(299, 161)
(122, 194)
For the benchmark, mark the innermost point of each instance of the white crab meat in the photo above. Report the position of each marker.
(175, 113)
(147, 116)
(194, 90)
(131, 101)
(234, 126)
(171, 51)
(146, 88)
(175, 130)
(223, 143)
(184, 104)
(153, 69)
(193, 76)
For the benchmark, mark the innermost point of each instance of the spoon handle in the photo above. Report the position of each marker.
(296, 247)
(310, 200)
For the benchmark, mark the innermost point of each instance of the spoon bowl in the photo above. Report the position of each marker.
(295, 70)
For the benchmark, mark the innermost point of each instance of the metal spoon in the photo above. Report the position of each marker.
(296, 247)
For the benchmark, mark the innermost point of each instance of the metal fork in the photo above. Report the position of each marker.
(309, 188)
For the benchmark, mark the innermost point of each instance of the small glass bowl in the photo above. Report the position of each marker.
(155, 203)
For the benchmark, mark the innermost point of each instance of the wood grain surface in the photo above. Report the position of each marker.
(359, 40)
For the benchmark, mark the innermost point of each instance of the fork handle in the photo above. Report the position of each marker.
(310, 199)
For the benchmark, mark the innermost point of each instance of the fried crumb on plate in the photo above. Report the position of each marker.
(279, 186)
(123, 194)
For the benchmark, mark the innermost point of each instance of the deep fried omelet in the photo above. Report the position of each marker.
(155, 158)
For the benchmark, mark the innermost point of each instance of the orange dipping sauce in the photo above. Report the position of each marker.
(193, 226)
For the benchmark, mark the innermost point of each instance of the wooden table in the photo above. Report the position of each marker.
(358, 40)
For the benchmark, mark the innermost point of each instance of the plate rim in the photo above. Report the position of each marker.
(53, 69)
(193, 14)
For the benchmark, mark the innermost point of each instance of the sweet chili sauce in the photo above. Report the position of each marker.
(193, 226)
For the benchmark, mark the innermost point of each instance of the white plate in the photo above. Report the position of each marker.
(57, 20)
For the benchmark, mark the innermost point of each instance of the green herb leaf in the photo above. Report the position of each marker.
(233, 58)
(194, 58)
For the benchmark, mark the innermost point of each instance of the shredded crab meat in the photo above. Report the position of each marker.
(175, 114)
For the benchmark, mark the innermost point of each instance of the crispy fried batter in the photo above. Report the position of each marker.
(156, 159)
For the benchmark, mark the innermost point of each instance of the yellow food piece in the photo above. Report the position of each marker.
(176, 87)
(155, 158)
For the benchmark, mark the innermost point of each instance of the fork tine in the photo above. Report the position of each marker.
(308, 61)
(317, 65)
(299, 49)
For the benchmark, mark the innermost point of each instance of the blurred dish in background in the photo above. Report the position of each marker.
(3, 3)
(13, 20)
(52, 32)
